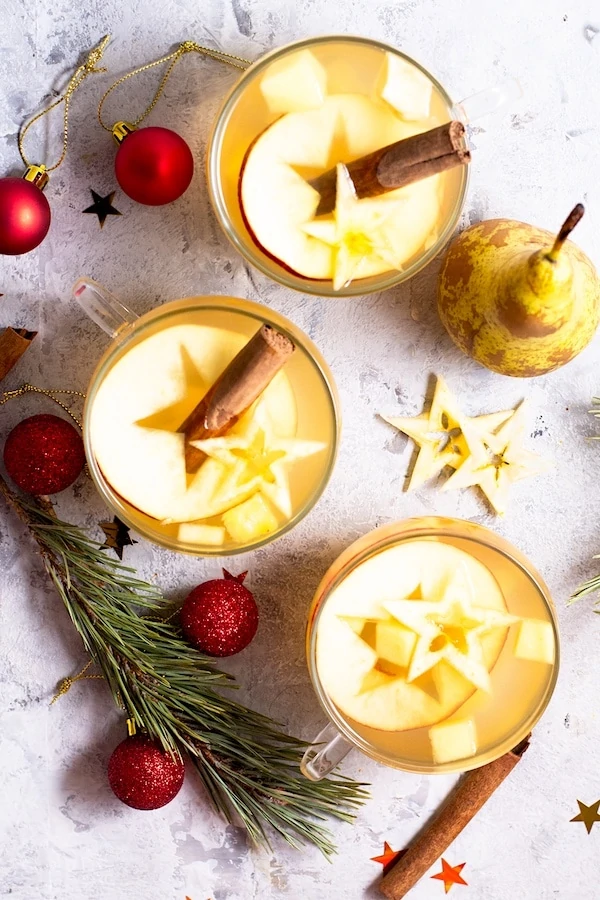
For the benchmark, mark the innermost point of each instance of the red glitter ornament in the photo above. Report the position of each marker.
(24, 216)
(154, 165)
(143, 775)
(220, 617)
(44, 454)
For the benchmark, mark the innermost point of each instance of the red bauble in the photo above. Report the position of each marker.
(220, 617)
(24, 216)
(143, 775)
(154, 166)
(44, 454)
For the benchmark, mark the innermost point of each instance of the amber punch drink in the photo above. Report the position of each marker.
(315, 107)
(433, 645)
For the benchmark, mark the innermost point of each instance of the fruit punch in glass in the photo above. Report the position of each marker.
(433, 648)
(299, 113)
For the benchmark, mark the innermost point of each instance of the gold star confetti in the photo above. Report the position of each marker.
(117, 536)
(450, 875)
(589, 815)
(102, 207)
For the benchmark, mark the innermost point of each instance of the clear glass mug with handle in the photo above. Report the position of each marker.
(307, 379)
(495, 720)
(347, 66)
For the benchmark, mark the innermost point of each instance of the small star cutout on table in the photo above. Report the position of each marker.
(388, 857)
(589, 815)
(117, 536)
(102, 207)
(450, 875)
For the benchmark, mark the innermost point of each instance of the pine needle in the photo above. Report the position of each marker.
(250, 768)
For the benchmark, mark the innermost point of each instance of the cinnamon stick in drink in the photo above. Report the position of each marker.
(472, 791)
(235, 390)
(13, 344)
(398, 164)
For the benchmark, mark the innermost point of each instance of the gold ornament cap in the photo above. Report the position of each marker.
(37, 175)
(131, 729)
(120, 130)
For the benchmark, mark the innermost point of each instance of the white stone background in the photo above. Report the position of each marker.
(64, 835)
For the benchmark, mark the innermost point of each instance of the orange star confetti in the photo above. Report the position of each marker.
(589, 815)
(388, 857)
(450, 875)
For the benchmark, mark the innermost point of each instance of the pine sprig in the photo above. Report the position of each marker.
(593, 585)
(249, 767)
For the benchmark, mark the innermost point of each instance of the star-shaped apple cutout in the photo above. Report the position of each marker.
(388, 857)
(444, 433)
(497, 461)
(356, 232)
(450, 629)
(256, 459)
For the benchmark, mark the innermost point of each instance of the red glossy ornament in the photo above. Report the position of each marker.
(220, 617)
(154, 165)
(24, 216)
(143, 775)
(44, 454)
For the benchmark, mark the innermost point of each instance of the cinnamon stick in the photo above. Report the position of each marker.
(398, 164)
(472, 791)
(13, 344)
(236, 389)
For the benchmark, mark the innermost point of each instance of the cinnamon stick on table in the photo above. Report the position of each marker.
(236, 389)
(472, 791)
(398, 164)
(13, 344)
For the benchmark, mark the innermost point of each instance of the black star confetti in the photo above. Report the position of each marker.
(117, 536)
(102, 207)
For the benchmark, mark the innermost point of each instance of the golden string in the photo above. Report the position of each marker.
(67, 683)
(89, 67)
(31, 389)
(172, 58)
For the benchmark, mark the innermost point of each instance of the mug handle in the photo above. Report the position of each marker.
(102, 307)
(491, 100)
(326, 751)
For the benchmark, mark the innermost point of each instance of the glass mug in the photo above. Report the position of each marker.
(352, 64)
(521, 689)
(318, 411)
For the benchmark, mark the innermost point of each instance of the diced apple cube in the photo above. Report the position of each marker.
(191, 533)
(535, 641)
(453, 740)
(250, 520)
(295, 84)
(394, 643)
(404, 87)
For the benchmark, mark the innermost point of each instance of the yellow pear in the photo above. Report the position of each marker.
(518, 299)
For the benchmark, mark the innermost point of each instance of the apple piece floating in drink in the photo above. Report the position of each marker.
(290, 167)
(195, 427)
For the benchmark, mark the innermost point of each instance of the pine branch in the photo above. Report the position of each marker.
(591, 586)
(249, 767)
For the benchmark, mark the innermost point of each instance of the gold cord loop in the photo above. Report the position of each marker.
(89, 67)
(31, 389)
(171, 58)
(67, 683)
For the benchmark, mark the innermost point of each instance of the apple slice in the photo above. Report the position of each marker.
(535, 641)
(195, 533)
(452, 740)
(142, 400)
(394, 643)
(407, 89)
(377, 698)
(278, 202)
(250, 520)
(297, 82)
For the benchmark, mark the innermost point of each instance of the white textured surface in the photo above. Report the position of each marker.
(64, 837)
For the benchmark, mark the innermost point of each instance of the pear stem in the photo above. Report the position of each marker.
(567, 227)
